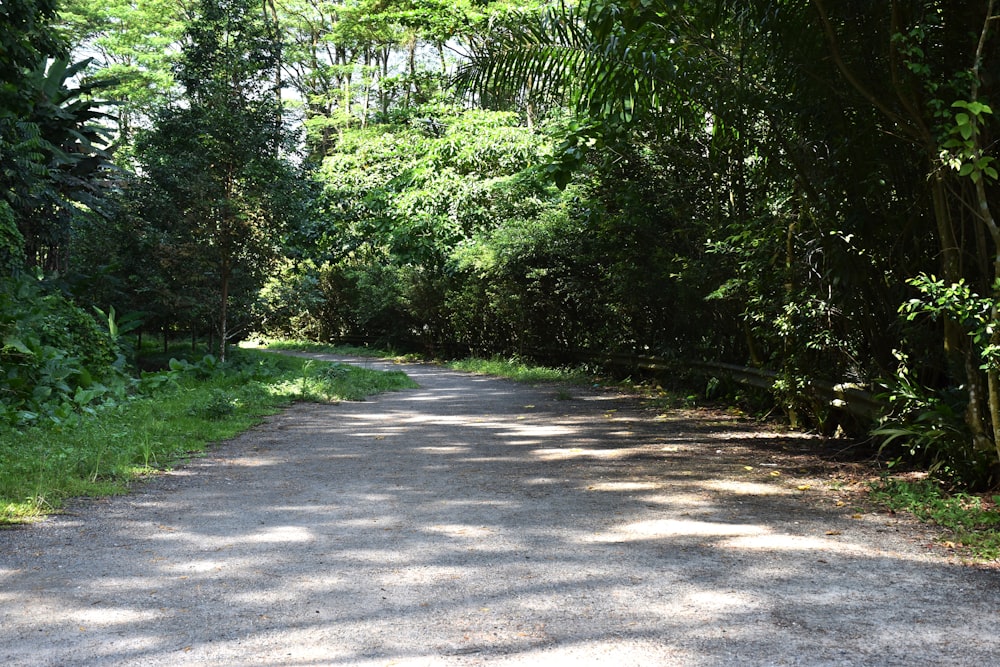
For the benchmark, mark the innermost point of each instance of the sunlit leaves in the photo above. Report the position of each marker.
(597, 58)
(135, 45)
(962, 152)
(975, 313)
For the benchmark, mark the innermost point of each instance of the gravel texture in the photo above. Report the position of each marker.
(475, 521)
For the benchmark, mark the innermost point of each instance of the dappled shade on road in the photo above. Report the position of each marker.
(475, 520)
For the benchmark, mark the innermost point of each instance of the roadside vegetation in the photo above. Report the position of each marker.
(164, 418)
(971, 522)
(520, 370)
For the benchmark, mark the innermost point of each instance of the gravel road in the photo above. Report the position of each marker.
(474, 521)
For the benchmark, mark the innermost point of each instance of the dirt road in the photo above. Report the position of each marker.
(474, 521)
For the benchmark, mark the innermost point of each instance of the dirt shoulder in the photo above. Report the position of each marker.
(475, 521)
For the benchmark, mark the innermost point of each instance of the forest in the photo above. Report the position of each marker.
(796, 190)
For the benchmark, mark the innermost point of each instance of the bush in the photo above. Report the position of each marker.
(55, 359)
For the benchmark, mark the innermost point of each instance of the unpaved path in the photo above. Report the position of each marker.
(475, 521)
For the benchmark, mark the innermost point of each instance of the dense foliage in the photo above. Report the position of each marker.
(803, 188)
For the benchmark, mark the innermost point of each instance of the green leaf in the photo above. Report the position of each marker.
(17, 344)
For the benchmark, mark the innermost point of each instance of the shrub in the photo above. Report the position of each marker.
(54, 359)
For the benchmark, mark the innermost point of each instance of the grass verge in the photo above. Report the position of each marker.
(972, 522)
(177, 414)
(324, 348)
(521, 371)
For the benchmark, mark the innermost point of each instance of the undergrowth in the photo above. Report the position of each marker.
(171, 415)
(971, 521)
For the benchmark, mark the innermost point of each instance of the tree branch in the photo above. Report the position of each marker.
(845, 71)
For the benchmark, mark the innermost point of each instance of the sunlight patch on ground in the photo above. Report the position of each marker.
(624, 486)
(745, 488)
(734, 431)
(559, 454)
(454, 449)
(460, 530)
(254, 461)
(391, 420)
(87, 618)
(718, 600)
(281, 534)
(537, 431)
(432, 398)
(645, 530)
(198, 566)
(678, 499)
(783, 542)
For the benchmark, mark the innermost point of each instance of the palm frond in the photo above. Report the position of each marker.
(580, 56)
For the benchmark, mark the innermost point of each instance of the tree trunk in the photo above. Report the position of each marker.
(985, 215)
(224, 315)
(962, 356)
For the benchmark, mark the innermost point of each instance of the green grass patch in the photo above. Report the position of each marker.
(177, 414)
(326, 381)
(325, 348)
(972, 521)
(521, 371)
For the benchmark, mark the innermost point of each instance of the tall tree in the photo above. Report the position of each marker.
(133, 44)
(217, 159)
(26, 37)
(51, 139)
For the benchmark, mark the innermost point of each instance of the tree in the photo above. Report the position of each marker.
(25, 38)
(54, 147)
(930, 87)
(74, 141)
(134, 45)
(217, 162)
(781, 97)
(352, 62)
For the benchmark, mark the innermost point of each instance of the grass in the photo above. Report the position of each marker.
(521, 371)
(972, 522)
(324, 381)
(102, 454)
(324, 348)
